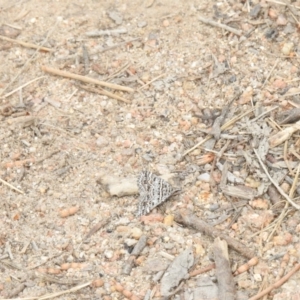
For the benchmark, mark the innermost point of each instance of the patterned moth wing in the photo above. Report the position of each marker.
(153, 191)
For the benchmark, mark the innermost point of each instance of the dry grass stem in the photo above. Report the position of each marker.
(277, 284)
(11, 186)
(276, 63)
(275, 183)
(22, 86)
(154, 79)
(103, 92)
(25, 44)
(85, 79)
(223, 127)
(34, 55)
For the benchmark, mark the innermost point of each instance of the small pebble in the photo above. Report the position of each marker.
(283, 239)
(108, 254)
(281, 20)
(136, 233)
(166, 23)
(142, 24)
(169, 220)
(101, 141)
(287, 48)
(130, 242)
(204, 177)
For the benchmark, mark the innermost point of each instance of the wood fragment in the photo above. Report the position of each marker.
(95, 228)
(176, 272)
(25, 44)
(25, 120)
(283, 135)
(239, 191)
(86, 79)
(188, 219)
(138, 248)
(223, 270)
(220, 25)
(277, 284)
(14, 292)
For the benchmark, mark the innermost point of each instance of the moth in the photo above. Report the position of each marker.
(153, 191)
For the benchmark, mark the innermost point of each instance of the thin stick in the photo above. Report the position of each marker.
(30, 59)
(138, 248)
(225, 126)
(282, 3)
(55, 294)
(264, 113)
(220, 25)
(148, 83)
(11, 186)
(286, 160)
(201, 271)
(187, 218)
(279, 189)
(277, 284)
(276, 62)
(103, 92)
(25, 44)
(85, 79)
(95, 228)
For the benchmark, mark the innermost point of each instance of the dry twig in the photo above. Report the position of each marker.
(277, 284)
(103, 92)
(95, 228)
(85, 79)
(22, 86)
(220, 25)
(138, 248)
(27, 45)
(187, 218)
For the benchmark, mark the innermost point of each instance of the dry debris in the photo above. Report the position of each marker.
(203, 95)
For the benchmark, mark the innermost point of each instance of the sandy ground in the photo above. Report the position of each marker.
(59, 137)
